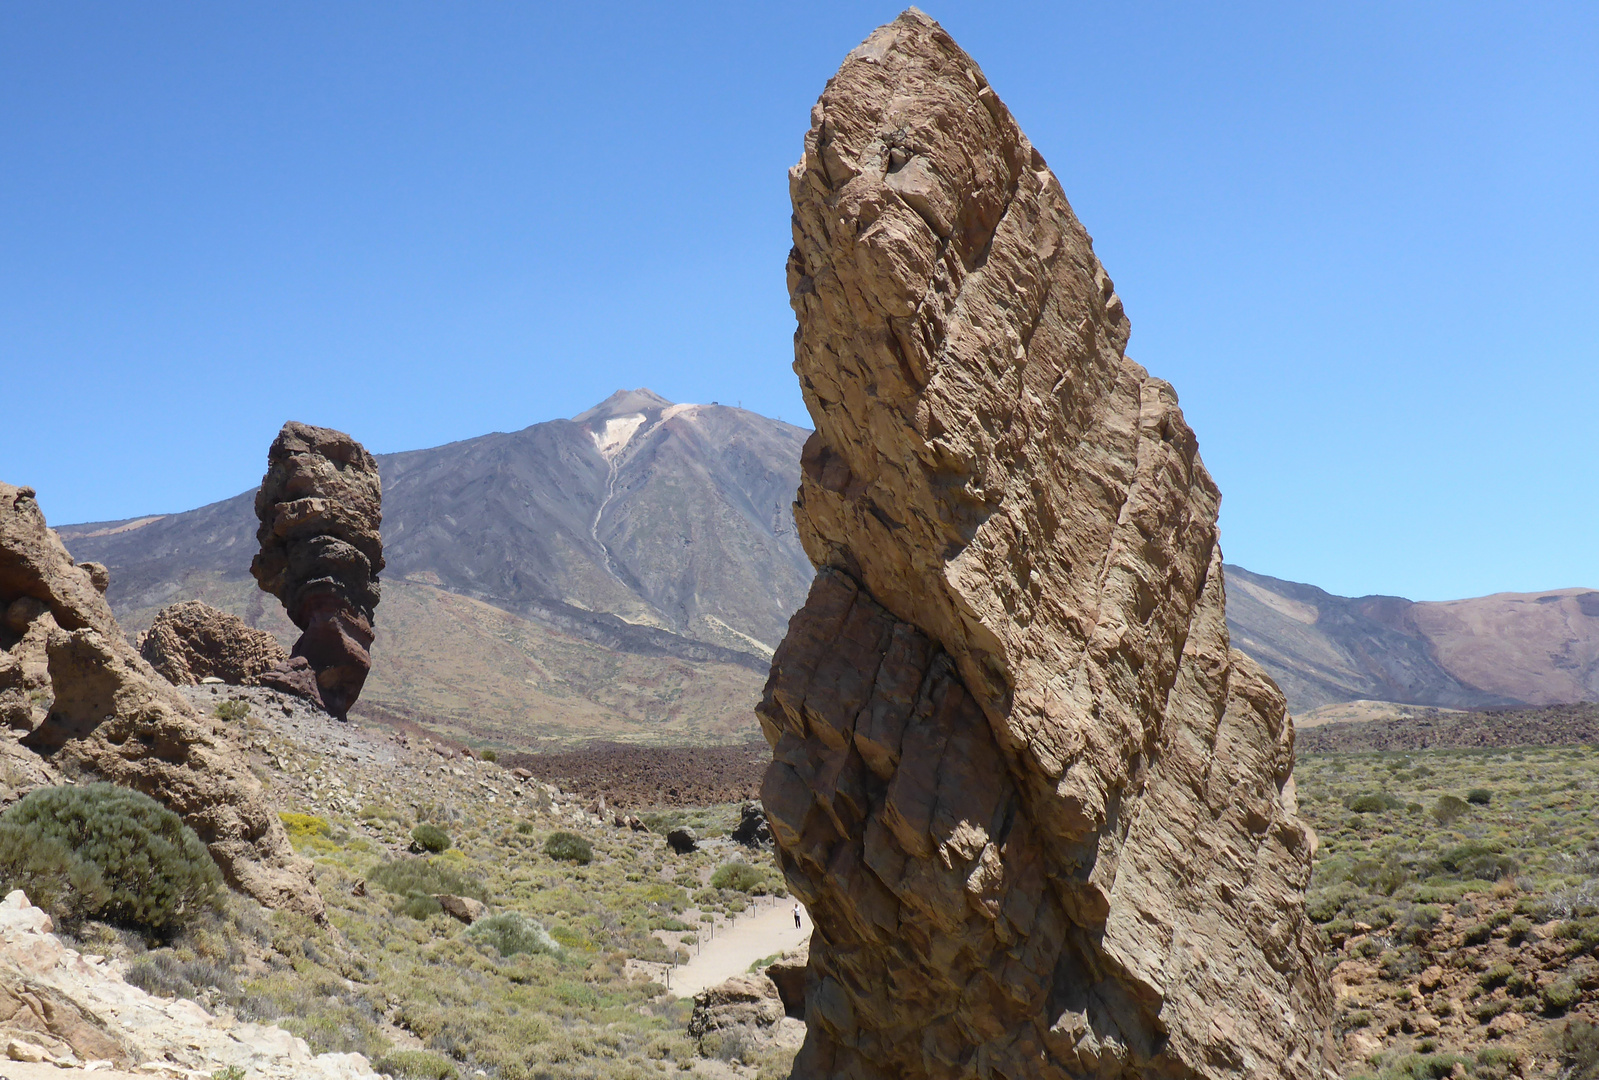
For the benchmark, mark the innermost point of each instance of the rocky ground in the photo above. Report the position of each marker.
(1556, 725)
(650, 776)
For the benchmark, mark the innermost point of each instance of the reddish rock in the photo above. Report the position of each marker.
(320, 507)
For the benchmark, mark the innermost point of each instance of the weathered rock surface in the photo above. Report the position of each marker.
(752, 830)
(462, 908)
(85, 704)
(321, 507)
(192, 640)
(1040, 811)
(68, 1009)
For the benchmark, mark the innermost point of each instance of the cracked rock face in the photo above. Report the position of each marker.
(81, 703)
(1040, 811)
(321, 508)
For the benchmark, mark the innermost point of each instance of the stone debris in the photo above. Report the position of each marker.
(74, 1011)
(321, 509)
(1041, 812)
(192, 642)
(87, 706)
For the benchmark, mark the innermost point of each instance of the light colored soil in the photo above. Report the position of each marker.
(755, 937)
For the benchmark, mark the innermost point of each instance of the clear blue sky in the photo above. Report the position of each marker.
(1362, 239)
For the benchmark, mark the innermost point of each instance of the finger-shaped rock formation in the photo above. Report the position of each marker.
(1040, 811)
(77, 695)
(321, 508)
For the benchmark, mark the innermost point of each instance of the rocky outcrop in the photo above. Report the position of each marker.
(72, 1010)
(321, 507)
(1040, 811)
(82, 703)
(192, 640)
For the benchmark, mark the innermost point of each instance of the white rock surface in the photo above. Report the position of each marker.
(159, 1037)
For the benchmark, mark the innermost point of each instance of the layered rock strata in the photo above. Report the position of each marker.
(192, 640)
(321, 509)
(81, 703)
(1040, 811)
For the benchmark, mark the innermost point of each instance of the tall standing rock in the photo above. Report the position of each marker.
(85, 705)
(321, 508)
(1040, 811)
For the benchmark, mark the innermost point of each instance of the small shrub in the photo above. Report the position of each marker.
(1373, 803)
(1448, 808)
(1478, 934)
(1579, 1050)
(232, 711)
(489, 755)
(305, 829)
(416, 1065)
(229, 1072)
(511, 932)
(101, 851)
(424, 877)
(1559, 996)
(1487, 1009)
(1495, 976)
(430, 838)
(568, 847)
(739, 876)
(1479, 796)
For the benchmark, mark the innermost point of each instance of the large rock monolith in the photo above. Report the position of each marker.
(1040, 811)
(84, 705)
(321, 510)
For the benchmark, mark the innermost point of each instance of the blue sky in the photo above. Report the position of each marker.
(1362, 240)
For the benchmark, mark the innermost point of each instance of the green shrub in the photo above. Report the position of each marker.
(568, 847)
(424, 877)
(421, 906)
(1479, 796)
(1373, 803)
(489, 755)
(232, 710)
(430, 838)
(739, 876)
(1559, 996)
(1448, 808)
(1495, 976)
(100, 851)
(511, 932)
(416, 1065)
(229, 1072)
(1579, 1050)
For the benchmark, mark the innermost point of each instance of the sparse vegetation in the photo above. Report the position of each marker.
(568, 847)
(431, 838)
(232, 710)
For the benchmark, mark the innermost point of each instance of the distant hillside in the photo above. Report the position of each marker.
(630, 571)
(1492, 651)
(625, 574)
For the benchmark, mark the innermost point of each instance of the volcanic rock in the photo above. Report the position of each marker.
(320, 507)
(682, 840)
(752, 830)
(463, 908)
(106, 714)
(1040, 811)
(193, 641)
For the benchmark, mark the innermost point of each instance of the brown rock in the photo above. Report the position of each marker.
(788, 973)
(749, 1000)
(192, 641)
(112, 717)
(1040, 811)
(294, 676)
(464, 908)
(320, 506)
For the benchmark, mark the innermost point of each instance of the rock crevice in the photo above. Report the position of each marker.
(1040, 810)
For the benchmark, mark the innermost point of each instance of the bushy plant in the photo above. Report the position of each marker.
(100, 851)
(424, 877)
(431, 838)
(416, 1065)
(568, 847)
(490, 756)
(232, 710)
(739, 876)
(1479, 796)
(1448, 808)
(511, 932)
(1559, 996)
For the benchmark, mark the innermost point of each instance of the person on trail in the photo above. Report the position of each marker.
(796, 917)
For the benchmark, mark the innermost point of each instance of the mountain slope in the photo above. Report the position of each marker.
(1500, 650)
(639, 527)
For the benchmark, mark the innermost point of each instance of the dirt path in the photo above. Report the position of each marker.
(733, 950)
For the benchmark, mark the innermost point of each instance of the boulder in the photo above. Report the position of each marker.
(109, 716)
(191, 642)
(1040, 810)
(752, 830)
(787, 973)
(464, 908)
(742, 1000)
(294, 676)
(682, 840)
(320, 507)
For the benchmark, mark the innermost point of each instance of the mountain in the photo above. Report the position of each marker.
(624, 573)
(1492, 651)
